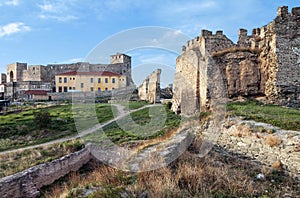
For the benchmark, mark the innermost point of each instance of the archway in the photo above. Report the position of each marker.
(11, 76)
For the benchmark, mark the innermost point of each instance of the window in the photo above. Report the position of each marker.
(73, 78)
(60, 80)
(106, 88)
(92, 89)
(92, 80)
(59, 89)
(99, 80)
(113, 80)
(99, 89)
(70, 78)
(70, 88)
(73, 88)
(65, 89)
(81, 85)
(65, 79)
(106, 80)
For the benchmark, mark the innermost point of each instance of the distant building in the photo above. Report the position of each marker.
(36, 95)
(89, 81)
(22, 78)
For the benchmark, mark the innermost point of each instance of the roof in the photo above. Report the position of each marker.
(102, 73)
(36, 92)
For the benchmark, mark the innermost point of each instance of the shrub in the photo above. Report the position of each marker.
(42, 118)
(273, 140)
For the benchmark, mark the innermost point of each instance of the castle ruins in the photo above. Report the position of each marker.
(149, 90)
(265, 64)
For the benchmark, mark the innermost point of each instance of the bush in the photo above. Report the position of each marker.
(42, 118)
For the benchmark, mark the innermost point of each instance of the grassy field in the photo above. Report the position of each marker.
(15, 162)
(142, 128)
(20, 129)
(285, 118)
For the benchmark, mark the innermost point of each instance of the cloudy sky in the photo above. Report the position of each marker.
(63, 31)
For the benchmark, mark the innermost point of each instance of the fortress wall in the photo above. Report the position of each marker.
(267, 63)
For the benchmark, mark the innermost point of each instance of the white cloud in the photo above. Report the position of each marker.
(62, 11)
(48, 8)
(13, 28)
(72, 60)
(12, 2)
(58, 17)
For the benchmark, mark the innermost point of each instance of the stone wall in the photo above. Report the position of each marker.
(34, 73)
(265, 63)
(149, 90)
(28, 182)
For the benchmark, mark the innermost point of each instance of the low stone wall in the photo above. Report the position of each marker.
(28, 182)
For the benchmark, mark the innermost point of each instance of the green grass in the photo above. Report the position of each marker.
(136, 105)
(131, 105)
(18, 161)
(145, 126)
(285, 118)
(19, 129)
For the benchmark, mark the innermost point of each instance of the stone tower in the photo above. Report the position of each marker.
(121, 64)
(15, 72)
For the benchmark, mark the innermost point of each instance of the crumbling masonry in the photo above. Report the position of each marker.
(267, 63)
(149, 90)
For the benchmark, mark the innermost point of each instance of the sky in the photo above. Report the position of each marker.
(66, 31)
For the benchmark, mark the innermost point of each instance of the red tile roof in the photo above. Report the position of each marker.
(36, 92)
(103, 73)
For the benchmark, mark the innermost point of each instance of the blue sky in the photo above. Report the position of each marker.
(64, 31)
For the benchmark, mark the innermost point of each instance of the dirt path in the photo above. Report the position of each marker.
(122, 112)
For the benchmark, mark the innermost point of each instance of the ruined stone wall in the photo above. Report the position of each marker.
(28, 182)
(265, 63)
(150, 88)
(196, 78)
(287, 29)
(34, 73)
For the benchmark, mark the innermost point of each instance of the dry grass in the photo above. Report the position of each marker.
(215, 175)
(167, 136)
(277, 165)
(272, 140)
(243, 131)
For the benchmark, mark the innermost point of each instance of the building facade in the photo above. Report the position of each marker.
(89, 81)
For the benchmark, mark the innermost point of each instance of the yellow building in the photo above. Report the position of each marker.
(89, 81)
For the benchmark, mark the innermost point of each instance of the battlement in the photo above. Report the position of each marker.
(206, 33)
(283, 11)
(296, 11)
